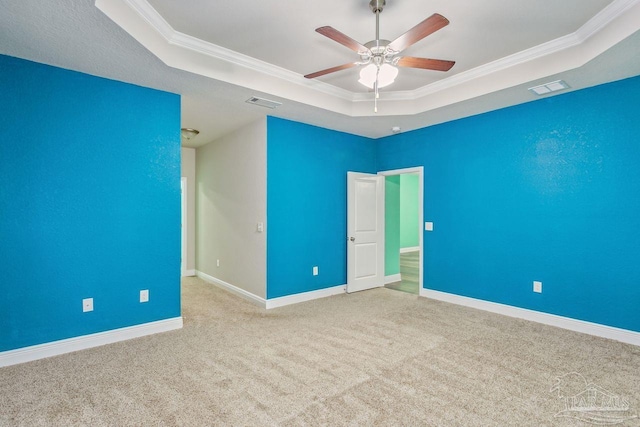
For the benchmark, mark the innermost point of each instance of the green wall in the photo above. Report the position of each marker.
(409, 227)
(392, 225)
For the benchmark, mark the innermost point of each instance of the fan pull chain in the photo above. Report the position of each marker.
(377, 93)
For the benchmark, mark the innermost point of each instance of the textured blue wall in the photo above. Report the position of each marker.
(307, 204)
(548, 190)
(89, 202)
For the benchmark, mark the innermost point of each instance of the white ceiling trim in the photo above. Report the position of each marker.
(484, 70)
(604, 18)
(198, 45)
(589, 29)
(153, 18)
(138, 26)
(174, 49)
(182, 40)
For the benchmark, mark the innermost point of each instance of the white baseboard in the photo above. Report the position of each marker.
(305, 296)
(233, 289)
(273, 302)
(409, 249)
(189, 273)
(392, 278)
(610, 332)
(55, 348)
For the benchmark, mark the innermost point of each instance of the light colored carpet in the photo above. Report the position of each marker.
(377, 357)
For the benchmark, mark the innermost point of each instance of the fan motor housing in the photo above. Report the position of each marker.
(377, 46)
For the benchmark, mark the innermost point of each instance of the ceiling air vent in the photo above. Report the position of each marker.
(263, 102)
(549, 87)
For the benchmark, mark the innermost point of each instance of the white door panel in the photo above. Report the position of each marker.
(365, 199)
(365, 226)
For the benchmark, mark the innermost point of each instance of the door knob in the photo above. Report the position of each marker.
(353, 239)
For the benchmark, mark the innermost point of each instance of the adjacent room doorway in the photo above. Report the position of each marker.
(375, 257)
(404, 229)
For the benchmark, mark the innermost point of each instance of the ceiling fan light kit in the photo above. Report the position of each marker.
(384, 75)
(380, 57)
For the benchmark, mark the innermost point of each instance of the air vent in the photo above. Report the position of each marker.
(263, 102)
(549, 87)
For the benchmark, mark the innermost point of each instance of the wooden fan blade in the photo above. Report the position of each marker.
(331, 70)
(420, 31)
(341, 38)
(426, 63)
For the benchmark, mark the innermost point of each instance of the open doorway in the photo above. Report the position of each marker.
(403, 229)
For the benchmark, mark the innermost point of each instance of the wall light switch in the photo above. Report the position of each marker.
(217, 263)
(428, 226)
(537, 287)
(87, 305)
(315, 270)
(144, 295)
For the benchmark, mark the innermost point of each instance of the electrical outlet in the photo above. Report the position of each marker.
(144, 295)
(428, 226)
(315, 270)
(87, 305)
(537, 287)
(260, 227)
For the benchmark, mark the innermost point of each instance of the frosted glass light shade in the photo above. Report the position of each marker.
(188, 133)
(386, 76)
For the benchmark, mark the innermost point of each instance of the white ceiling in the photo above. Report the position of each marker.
(282, 32)
(218, 54)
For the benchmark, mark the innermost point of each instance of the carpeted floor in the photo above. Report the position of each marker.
(377, 357)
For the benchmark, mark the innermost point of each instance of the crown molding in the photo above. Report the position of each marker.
(586, 31)
(604, 18)
(501, 64)
(198, 45)
(483, 70)
(185, 41)
(495, 69)
(152, 17)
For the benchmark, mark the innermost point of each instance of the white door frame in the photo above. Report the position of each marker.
(419, 170)
(183, 226)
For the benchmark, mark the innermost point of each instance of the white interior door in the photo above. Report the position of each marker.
(365, 227)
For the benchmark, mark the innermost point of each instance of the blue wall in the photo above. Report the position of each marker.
(89, 202)
(307, 204)
(548, 190)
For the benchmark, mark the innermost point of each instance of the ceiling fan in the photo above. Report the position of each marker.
(380, 57)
